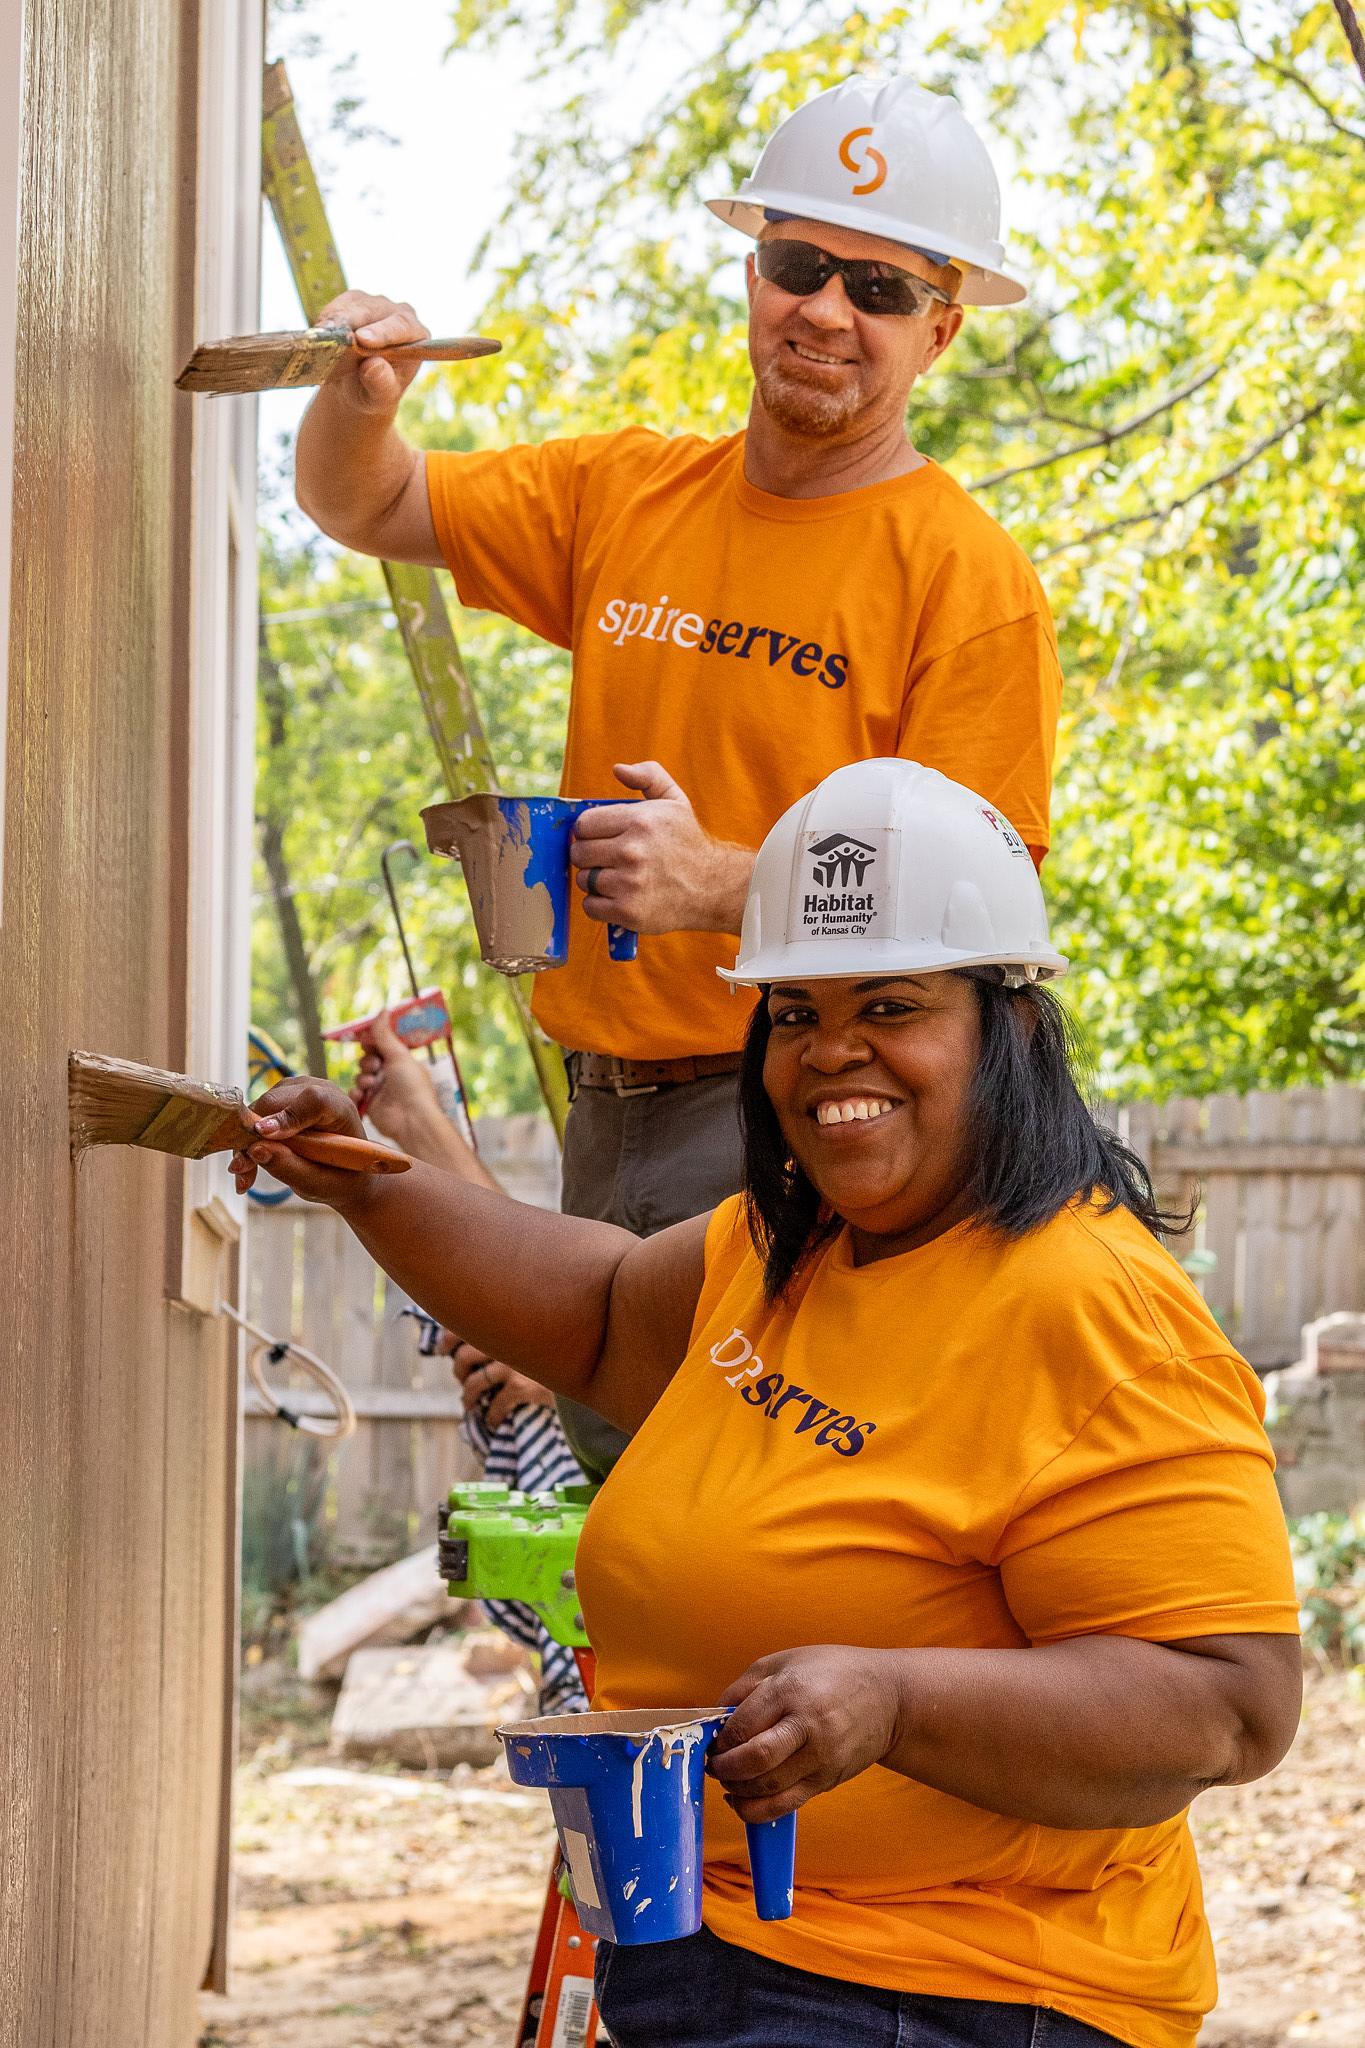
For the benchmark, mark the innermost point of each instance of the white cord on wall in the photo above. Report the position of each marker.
(276, 1349)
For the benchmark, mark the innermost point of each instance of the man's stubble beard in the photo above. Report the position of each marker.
(802, 409)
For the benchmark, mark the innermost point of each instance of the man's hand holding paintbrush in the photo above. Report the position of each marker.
(374, 385)
(356, 476)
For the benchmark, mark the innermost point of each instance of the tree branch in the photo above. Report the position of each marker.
(1008, 364)
(1055, 419)
(1292, 76)
(359, 827)
(295, 950)
(337, 942)
(1127, 636)
(1351, 30)
(1102, 437)
(1164, 512)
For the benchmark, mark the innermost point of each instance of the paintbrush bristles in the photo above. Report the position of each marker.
(118, 1102)
(292, 359)
(256, 362)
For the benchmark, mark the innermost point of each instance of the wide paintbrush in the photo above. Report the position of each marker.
(117, 1102)
(285, 361)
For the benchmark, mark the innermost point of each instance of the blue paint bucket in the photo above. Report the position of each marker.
(515, 854)
(626, 1793)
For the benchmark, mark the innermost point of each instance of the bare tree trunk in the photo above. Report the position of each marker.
(295, 950)
(281, 886)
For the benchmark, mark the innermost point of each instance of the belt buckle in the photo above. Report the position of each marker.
(624, 1093)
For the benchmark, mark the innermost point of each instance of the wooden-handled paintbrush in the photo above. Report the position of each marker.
(117, 1102)
(285, 361)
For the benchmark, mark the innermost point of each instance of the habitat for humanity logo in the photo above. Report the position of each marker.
(843, 885)
(841, 859)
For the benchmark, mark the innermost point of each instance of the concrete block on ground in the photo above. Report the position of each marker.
(394, 1605)
(424, 1708)
(1318, 1430)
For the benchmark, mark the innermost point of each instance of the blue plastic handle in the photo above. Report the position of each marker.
(772, 1865)
(622, 942)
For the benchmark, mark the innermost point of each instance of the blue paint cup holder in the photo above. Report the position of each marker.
(626, 1793)
(515, 854)
(772, 1865)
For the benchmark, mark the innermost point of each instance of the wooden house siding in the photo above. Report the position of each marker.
(119, 1401)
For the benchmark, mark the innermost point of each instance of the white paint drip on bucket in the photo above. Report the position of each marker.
(679, 1741)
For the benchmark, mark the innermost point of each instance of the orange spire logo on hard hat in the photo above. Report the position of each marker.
(857, 165)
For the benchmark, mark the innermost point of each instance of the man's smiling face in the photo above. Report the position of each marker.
(822, 368)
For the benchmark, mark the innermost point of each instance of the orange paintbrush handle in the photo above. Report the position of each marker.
(453, 348)
(352, 1155)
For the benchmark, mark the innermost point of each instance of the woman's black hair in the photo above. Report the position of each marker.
(1032, 1140)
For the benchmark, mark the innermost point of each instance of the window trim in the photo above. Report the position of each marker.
(11, 146)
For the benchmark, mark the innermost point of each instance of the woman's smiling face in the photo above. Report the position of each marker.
(870, 1082)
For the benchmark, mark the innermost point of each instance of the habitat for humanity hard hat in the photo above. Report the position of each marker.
(893, 160)
(890, 868)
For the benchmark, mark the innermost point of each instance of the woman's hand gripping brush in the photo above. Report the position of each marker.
(591, 1311)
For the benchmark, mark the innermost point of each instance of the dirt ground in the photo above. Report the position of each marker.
(386, 1910)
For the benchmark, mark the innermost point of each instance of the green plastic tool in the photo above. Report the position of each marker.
(499, 1545)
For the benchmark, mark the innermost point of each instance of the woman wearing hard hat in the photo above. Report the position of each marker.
(942, 1476)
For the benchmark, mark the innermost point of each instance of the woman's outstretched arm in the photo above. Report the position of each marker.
(590, 1310)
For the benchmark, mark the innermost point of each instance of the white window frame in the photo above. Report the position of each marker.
(223, 622)
(11, 148)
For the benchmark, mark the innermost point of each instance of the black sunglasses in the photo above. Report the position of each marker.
(802, 269)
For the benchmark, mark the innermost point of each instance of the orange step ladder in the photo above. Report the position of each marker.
(559, 2010)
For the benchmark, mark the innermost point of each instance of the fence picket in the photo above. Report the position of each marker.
(1222, 1194)
(1265, 1318)
(1342, 1283)
(1301, 1216)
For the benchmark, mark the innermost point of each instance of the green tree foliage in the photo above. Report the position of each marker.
(1171, 429)
(345, 765)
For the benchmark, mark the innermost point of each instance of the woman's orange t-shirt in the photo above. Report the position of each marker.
(981, 1443)
(752, 644)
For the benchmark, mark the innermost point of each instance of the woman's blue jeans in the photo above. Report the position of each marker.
(702, 1992)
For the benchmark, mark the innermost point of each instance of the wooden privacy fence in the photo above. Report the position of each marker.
(1283, 1208)
(369, 1499)
(1283, 1213)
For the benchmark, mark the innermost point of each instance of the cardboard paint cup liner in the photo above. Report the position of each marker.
(626, 1793)
(515, 854)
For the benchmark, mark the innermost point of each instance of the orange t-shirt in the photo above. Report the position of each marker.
(978, 1444)
(751, 644)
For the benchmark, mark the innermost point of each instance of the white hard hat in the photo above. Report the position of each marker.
(887, 159)
(890, 868)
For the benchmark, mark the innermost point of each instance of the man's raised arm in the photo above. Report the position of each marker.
(354, 474)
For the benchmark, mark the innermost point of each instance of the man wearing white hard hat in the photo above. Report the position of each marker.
(941, 1475)
(744, 614)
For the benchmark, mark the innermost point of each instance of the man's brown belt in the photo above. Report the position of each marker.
(642, 1077)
